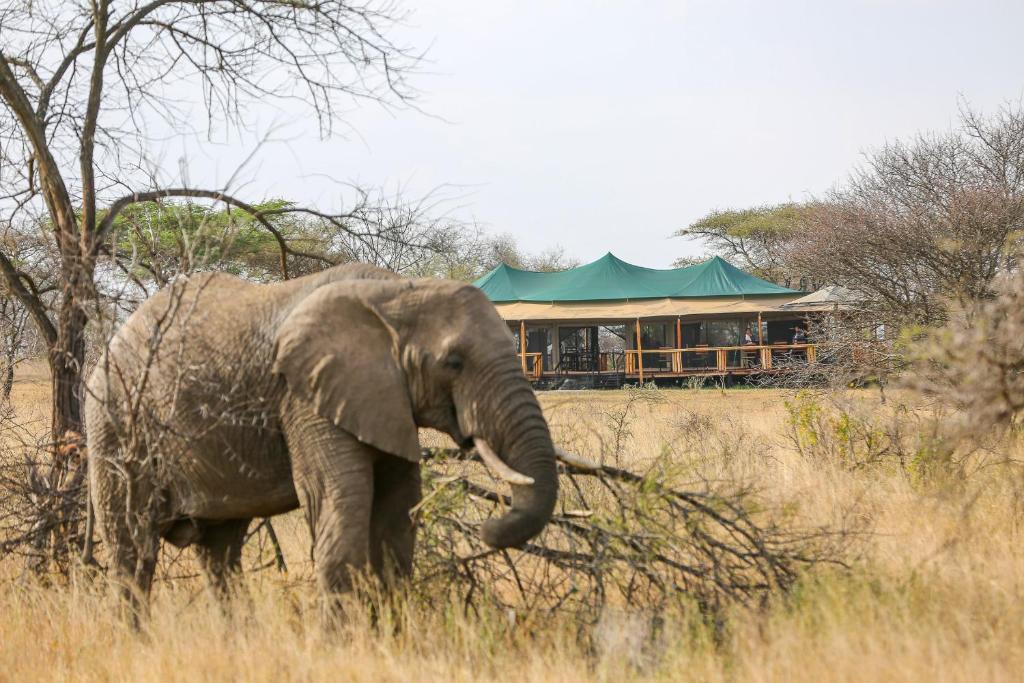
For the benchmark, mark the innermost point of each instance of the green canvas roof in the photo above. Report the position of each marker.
(612, 279)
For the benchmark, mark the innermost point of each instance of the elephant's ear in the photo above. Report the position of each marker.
(337, 352)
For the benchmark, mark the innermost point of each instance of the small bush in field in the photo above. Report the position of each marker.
(856, 436)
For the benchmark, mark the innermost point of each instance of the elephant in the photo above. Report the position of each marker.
(220, 400)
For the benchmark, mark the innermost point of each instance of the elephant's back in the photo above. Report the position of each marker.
(202, 316)
(215, 309)
(210, 333)
(212, 329)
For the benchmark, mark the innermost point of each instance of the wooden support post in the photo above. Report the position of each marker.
(677, 357)
(639, 352)
(766, 354)
(522, 344)
(723, 359)
(556, 349)
(812, 354)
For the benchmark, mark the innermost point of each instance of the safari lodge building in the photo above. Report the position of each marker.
(609, 323)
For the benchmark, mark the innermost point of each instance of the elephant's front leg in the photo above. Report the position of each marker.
(396, 491)
(333, 475)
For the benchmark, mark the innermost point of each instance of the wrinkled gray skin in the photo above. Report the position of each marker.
(219, 401)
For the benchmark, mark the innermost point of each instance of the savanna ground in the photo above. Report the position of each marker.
(933, 588)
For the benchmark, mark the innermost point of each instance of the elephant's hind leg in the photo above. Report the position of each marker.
(220, 553)
(129, 531)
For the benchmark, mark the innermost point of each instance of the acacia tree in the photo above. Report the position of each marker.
(82, 81)
(756, 239)
(156, 241)
(151, 243)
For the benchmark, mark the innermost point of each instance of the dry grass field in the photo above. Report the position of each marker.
(935, 588)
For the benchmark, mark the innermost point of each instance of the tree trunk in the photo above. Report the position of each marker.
(7, 383)
(67, 366)
(62, 505)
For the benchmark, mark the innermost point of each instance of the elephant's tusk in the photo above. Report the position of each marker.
(581, 514)
(576, 460)
(498, 466)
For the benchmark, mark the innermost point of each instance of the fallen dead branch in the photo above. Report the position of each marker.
(618, 538)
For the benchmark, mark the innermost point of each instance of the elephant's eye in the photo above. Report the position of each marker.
(453, 361)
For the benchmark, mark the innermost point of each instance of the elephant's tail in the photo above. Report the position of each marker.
(90, 522)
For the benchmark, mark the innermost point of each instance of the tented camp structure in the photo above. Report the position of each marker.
(613, 322)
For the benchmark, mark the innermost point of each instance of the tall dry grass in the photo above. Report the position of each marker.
(935, 590)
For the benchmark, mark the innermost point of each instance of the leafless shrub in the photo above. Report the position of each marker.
(19, 339)
(924, 222)
(851, 349)
(620, 420)
(13, 319)
(42, 495)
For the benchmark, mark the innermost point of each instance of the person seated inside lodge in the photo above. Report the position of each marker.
(748, 337)
(799, 335)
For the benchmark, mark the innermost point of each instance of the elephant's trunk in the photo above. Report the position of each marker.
(510, 420)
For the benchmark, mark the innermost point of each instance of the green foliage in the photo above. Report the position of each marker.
(161, 239)
(778, 221)
(756, 238)
(154, 241)
(804, 417)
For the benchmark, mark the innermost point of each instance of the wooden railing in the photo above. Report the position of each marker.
(693, 359)
(717, 358)
(533, 364)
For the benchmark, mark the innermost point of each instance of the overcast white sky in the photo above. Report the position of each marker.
(606, 126)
